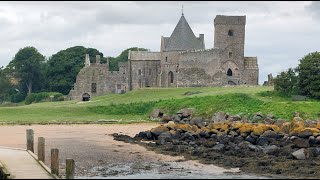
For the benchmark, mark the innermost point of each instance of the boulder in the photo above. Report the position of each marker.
(171, 125)
(166, 136)
(166, 118)
(219, 117)
(269, 134)
(187, 136)
(275, 128)
(156, 114)
(270, 150)
(312, 140)
(223, 139)
(238, 139)
(279, 122)
(258, 116)
(174, 134)
(250, 139)
(204, 134)
(246, 128)
(209, 143)
(260, 129)
(220, 126)
(158, 130)
(300, 143)
(142, 135)
(194, 128)
(198, 121)
(234, 118)
(176, 118)
(313, 151)
(305, 133)
(268, 120)
(270, 115)
(311, 124)
(285, 127)
(184, 127)
(218, 147)
(187, 112)
(253, 135)
(149, 135)
(300, 154)
(253, 148)
(262, 141)
(233, 133)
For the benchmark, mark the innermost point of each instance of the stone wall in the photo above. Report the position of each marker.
(95, 79)
(144, 73)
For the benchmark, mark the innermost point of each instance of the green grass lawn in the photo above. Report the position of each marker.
(135, 106)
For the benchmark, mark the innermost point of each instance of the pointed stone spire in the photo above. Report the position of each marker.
(183, 38)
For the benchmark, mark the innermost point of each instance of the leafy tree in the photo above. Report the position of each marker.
(26, 67)
(4, 85)
(286, 82)
(309, 75)
(64, 66)
(123, 57)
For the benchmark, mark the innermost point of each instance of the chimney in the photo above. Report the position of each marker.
(87, 61)
(97, 59)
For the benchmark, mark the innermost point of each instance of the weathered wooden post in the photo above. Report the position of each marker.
(55, 161)
(41, 149)
(30, 140)
(69, 169)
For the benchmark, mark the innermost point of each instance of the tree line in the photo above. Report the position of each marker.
(31, 72)
(302, 80)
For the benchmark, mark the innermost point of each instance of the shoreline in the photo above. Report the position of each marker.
(97, 154)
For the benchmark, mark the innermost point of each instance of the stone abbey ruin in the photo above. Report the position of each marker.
(182, 61)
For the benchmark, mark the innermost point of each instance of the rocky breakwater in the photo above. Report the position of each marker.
(269, 147)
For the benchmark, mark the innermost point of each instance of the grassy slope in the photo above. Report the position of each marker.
(140, 102)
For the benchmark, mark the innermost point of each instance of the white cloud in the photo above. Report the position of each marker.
(278, 33)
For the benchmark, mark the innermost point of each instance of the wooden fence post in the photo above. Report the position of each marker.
(69, 169)
(55, 161)
(41, 149)
(30, 140)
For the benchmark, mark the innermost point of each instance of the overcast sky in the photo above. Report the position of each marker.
(278, 33)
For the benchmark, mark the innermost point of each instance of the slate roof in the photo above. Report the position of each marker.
(182, 38)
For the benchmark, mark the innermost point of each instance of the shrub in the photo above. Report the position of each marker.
(44, 96)
(286, 82)
(16, 98)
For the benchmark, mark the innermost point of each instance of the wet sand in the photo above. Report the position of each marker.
(97, 155)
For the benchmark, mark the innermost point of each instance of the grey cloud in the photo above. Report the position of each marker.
(314, 7)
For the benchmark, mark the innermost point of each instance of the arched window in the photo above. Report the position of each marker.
(166, 59)
(229, 72)
(230, 55)
(170, 77)
(85, 97)
(139, 72)
(230, 32)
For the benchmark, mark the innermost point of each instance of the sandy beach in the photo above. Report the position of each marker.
(97, 155)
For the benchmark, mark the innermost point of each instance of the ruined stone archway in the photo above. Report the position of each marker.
(86, 97)
(229, 72)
